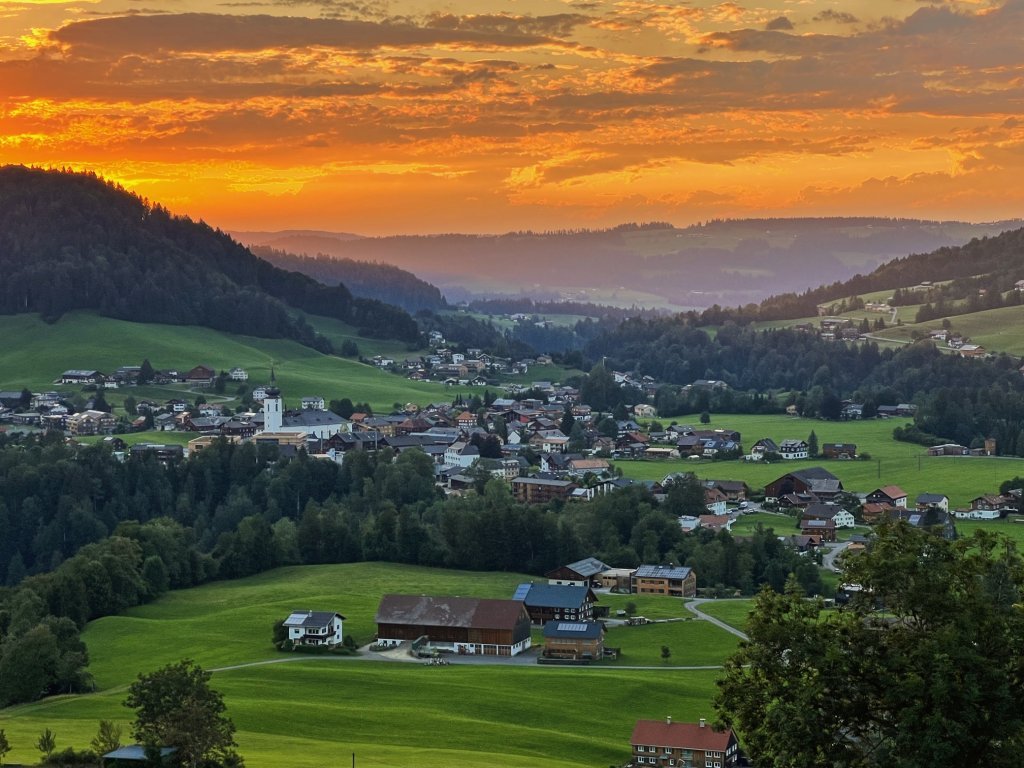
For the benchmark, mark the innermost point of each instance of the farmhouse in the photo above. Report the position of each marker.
(815, 480)
(890, 494)
(200, 376)
(579, 574)
(829, 511)
(926, 500)
(80, 376)
(314, 627)
(825, 529)
(551, 602)
(462, 624)
(839, 450)
(664, 580)
(538, 490)
(664, 743)
(573, 640)
(238, 374)
(794, 449)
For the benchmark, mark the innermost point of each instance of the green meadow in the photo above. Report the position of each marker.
(36, 353)
(733, 612)
(962, 478)
(314, 709)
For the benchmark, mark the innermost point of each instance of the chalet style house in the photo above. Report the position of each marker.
(582, 573)
(815, 481)
(460, 624)
(686, 745)
(314, 627)
(551, 602)
(577, 640)
(664, 580)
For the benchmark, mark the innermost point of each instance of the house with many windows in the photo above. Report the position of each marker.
(552, 602)
(685, 745)
(314, 627)
(669, 580)
(577, 640)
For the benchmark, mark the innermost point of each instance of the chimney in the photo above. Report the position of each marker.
(668, 720)
(703, 722)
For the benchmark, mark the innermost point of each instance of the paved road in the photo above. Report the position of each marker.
(694, 607)
(828, 561)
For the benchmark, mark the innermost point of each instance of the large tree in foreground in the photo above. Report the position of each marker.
(175, 707)
(923, 668)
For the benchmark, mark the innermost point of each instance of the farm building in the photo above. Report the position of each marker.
(814, 480)
(573, 640)
(551, 602)
(664, 580)
(461, 624)
(662, 742)
(578, 574)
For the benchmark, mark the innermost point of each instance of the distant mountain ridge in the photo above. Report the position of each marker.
(73, 241)
(366, 279)
(726, 262)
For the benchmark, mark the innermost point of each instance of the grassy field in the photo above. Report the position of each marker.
(962, 478)
(312, 709)
(36, 353)
(999, 330)
(732, 612)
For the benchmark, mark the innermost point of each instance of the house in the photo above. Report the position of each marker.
(873, 512)
(839, 451)
(312, 423)
(948, 449)
(932, 518)
(829, 511)
(990, 507)
(314, 627)
(90, 423)
(537, 490)
(794, 449)
(675, 581)
(715, 522)
(761, 447)
(577, 640)
(461, 624)
(817, 480)
(826, 529)
(81, 376)
(552, 602)
(200, 376)
(926, 500)
(165, 454)
(734, 490)
(582, 573)
(462, 455)
(687, 745)
(238, 374)
(644, 411)
(715, 501)
(890, 494)
(313, 404)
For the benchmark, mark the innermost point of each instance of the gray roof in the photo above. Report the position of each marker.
(136, 753)
(311, 418)
(587, 567)
(584, 630)
(931, 498)
(307, 619)
(662, 572)
(551, 595)
(542, 481)
(424, 611)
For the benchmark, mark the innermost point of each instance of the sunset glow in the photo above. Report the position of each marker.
(383, 117)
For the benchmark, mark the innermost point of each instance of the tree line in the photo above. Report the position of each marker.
(92, 536)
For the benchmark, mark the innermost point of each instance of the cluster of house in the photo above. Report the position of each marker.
(814, 492)
(128, 375)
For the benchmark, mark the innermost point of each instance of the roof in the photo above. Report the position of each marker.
(469, 612)
(589, 566)
(136, 752)
(931, 498)
(662, 572)
(311, 418)
(582, 630)
(311, 618)
(892, 491)
(552, 595)
(542, 481)
(661, 733)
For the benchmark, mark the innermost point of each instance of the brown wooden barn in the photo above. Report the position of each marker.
(461, 624)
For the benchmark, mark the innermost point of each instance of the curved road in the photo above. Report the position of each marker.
(694, 607)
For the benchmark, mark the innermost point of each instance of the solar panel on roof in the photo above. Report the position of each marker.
(564, 627)
(522, 591)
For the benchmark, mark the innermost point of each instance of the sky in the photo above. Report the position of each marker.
(423, 116)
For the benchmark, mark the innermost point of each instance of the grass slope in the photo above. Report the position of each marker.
(310, 710)
(962, 478)
(36, 353)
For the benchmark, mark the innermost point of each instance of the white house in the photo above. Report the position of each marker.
(313, 404)
(461, 454)
(260, 393)
(794, 449)
(238, 374)
(314, 627)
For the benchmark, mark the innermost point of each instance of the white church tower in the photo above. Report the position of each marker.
(273, 407)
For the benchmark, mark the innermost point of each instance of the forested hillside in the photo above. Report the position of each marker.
(72, 241)
(366, 279)
(87, 536)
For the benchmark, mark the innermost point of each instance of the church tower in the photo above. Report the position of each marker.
(272, 407)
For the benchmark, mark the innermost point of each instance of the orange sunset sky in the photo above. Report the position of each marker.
(403, 116)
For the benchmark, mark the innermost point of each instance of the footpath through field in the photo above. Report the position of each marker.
(694, 607)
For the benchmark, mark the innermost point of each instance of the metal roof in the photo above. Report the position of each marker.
(552, 595)
(581, 630)
(311, 618)
(662, 572)
(136, 752)
(587, 567)
(425, 611)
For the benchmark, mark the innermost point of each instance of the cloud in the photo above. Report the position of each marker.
(839, 17)
(779, 23)
(208, 33)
